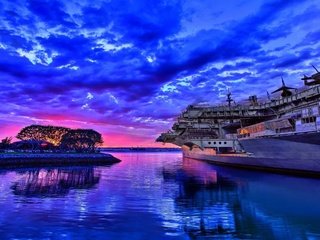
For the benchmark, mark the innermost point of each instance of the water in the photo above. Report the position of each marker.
(156, 196)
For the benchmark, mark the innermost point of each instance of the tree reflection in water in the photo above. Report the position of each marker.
(54, 182)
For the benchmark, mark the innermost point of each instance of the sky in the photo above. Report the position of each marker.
(128, 68)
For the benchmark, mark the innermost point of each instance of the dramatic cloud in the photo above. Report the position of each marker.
(128, 68)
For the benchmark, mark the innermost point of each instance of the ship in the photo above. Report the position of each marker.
(281, 134)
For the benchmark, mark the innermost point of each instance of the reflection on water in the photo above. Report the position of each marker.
(157, 196)
(206, 200)
(228, 203)
(54, 182)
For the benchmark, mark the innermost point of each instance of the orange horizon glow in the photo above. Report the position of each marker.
(109, 139)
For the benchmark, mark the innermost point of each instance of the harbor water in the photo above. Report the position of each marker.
(156, 196)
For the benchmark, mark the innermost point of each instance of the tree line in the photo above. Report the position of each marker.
(80, 140)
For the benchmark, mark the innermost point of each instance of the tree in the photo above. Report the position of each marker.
(5, 143)
(51, 134)
(75, 139)
(81, 140)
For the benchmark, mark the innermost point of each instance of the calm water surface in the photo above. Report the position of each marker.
(156, 196)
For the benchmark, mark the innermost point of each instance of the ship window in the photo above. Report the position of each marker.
(225, 142)
(219, 142)
(209, 143)
(214, 142)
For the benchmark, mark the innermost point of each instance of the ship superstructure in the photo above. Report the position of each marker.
(281, 130)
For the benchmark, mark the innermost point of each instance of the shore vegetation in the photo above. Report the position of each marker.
(39, 138)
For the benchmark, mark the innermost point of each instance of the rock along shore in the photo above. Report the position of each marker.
(40, 159)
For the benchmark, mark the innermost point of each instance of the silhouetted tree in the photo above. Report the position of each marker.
(32, 144)
(65, 138)
(51, 134)
(5, 143)
(81, 140)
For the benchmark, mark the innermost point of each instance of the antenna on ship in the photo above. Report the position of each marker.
(315, 68)
(229, 99)
(268, 94)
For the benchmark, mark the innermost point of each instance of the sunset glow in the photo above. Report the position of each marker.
(128, 68)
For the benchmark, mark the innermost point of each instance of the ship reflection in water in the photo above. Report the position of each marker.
(206, 201)
(55, 182)
(157, 196)
(217, 202)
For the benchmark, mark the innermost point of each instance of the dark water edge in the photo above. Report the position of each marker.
(20, 160)
(139, 149)
(156, 196)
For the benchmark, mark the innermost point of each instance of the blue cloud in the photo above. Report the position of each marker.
(144, 61)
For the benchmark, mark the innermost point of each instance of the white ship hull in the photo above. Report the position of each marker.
(297, 155)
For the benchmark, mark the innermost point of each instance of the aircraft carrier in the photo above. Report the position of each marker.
(281, 134)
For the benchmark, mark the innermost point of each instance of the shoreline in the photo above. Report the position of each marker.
(41, 159)
(139, 149)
